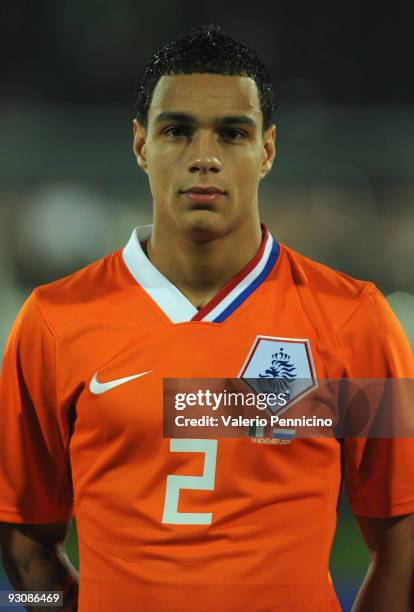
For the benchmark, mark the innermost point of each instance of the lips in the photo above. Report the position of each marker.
(204, 190)
(204, 194)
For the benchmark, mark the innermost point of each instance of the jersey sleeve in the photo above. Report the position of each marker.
(378, 472)
(35, 477)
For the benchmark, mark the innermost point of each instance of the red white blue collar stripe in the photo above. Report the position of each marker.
(241, 286)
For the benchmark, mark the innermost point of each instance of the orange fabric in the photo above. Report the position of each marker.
(273, 507)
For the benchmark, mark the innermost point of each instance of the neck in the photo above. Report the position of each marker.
(200, 268)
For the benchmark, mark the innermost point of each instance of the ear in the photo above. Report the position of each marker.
(269, 150)
(140, 138)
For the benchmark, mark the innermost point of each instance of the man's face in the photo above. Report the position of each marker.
(204, 132)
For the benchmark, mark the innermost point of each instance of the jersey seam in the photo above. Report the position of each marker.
(364, 294)
(380, 508)
(54, 335)
(45, 321)
(51, 516)
(359, 501)
(368, 290)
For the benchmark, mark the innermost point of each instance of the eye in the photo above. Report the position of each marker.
(177, 131)
(233, 134)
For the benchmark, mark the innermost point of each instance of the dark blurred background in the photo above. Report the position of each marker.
(341, 190)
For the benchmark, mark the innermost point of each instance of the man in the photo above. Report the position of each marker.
(194, 296)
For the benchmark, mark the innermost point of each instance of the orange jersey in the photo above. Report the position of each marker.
(172, 525)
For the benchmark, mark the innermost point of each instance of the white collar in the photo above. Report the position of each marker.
(174, 303)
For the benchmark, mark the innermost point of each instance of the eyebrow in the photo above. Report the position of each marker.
(190, 119)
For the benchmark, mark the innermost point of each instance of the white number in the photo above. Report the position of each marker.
(204, 482)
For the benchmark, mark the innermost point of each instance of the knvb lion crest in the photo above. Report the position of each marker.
(281, 370)
(280, 365)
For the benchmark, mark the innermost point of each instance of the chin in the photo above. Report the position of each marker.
(203, 225)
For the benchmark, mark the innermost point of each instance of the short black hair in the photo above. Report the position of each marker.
(205, 50)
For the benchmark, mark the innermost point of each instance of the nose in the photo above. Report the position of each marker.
(204, 155)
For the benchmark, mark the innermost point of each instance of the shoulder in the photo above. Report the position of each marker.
(92, 282)
(368, 333)
(88, 291)
(337, 294)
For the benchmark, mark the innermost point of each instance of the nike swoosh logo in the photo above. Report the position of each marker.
(97, 387)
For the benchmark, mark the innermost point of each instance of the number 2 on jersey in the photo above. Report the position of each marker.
(204, 482)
